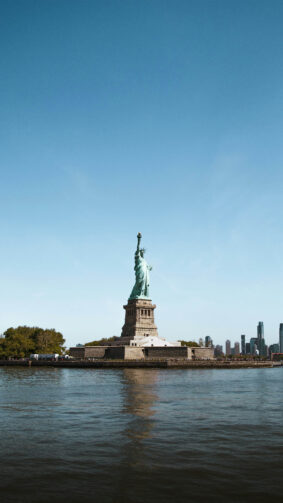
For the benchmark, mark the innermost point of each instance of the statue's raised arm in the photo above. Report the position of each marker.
(139, 236)
(141, 287)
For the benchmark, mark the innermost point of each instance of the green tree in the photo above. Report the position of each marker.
(102, 342)
(48, 341)
(190, 344)
(20, 342)
(17, 343)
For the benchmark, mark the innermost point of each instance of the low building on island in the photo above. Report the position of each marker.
(128, 352)
(139, 338)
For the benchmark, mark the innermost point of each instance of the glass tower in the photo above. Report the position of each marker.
(236, 348)
(281, 337)
(260, 339)
(253, 345)
(243, 344)
(208, 341)
(260, 331)
(228, 347)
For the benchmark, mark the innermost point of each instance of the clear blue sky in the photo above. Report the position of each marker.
(163, 117)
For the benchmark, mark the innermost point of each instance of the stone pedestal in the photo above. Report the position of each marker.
(139, 320)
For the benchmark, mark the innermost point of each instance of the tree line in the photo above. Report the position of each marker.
(190, 344)
(20, 342)
(102, 342)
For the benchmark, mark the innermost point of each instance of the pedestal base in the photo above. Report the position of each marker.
(139, 320)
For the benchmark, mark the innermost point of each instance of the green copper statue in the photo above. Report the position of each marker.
(141, 287)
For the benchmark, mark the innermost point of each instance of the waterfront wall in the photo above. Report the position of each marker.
(191, 353)
(201, 353)
(88, 352)
(133, 352)
(146, 363)
(166, 352)
(77, 353)
(124, 353)
(115, 352)
(95, 351)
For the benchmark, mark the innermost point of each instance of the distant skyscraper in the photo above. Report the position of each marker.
(201, 343)
(237, 348)
(253, 345)
(274, 348)
(260, 330)
(248, 348)
(218, 351)
(228, 347)
(208, 341)
(260, 339)
(243, 344)
(281, 337)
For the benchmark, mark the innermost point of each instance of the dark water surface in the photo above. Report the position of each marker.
(141, 435)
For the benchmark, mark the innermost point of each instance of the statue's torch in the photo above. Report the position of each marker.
(139, 236)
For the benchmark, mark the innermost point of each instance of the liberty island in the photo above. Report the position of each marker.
(139, 339)
(139, 345)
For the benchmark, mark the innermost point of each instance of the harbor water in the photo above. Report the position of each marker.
(141, 435)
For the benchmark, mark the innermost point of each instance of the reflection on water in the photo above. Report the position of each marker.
(21, 376)
(139, 397)
(135, 435)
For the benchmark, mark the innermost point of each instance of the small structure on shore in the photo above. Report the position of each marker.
(128, 352)
(139, 338)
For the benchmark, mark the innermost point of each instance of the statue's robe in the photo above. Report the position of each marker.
(141, 286)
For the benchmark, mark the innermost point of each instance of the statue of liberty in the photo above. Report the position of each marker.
(141, 287)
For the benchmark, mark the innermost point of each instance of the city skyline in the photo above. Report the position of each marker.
(257, 345)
